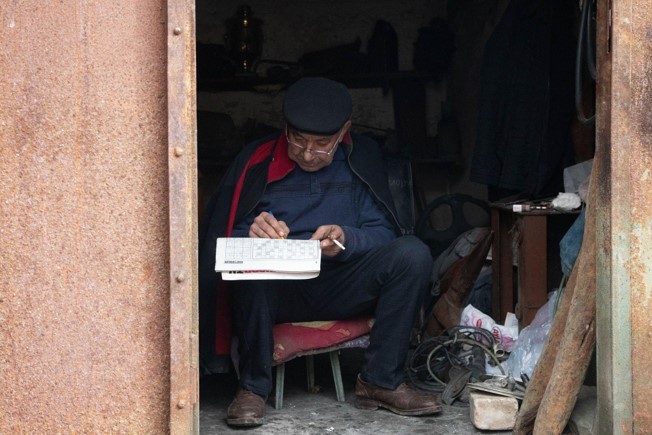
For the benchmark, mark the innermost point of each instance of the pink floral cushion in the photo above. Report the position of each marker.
(296, 339)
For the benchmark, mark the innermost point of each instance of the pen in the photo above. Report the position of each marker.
(280, 236)
(339, 244)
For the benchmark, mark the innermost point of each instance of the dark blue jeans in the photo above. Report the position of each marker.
(388, 283)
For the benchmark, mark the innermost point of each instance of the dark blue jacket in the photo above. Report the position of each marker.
(237, 195)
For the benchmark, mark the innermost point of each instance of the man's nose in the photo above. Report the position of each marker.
(308, 155)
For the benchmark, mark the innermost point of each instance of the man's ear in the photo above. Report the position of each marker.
(346, 127)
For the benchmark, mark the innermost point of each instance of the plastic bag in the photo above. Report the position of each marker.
(570, 244)
(576, 175)
(505, 335)
(528, 348)
(566, 201)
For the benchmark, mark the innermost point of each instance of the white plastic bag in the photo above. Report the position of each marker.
(575, 176)
(505, 335)
(528, 348)
(567, 201)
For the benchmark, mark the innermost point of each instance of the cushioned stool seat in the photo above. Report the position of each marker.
(292, 340)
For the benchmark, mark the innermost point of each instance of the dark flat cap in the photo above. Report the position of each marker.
(316, 105)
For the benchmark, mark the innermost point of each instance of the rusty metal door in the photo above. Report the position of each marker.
(98, 322)
(624, 207)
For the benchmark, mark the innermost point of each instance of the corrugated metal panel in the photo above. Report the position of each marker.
(85, 225)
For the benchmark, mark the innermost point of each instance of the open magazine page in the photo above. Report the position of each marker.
(252, 258)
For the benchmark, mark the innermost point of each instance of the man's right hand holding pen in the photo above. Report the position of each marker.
(266, 226)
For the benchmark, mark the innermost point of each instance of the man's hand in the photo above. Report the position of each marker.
(265, 226)
(327, 234)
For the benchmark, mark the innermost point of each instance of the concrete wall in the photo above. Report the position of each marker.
(84, 275)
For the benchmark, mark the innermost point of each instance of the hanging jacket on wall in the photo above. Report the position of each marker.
(525, 105)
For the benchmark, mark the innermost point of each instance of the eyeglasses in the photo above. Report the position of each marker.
(314, 152)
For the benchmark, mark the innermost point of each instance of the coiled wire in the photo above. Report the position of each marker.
(454, 346)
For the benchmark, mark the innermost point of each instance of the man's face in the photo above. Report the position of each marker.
(313, 152)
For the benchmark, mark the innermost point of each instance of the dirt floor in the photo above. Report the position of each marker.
(321, 413)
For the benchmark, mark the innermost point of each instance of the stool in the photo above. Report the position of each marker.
(292, 340)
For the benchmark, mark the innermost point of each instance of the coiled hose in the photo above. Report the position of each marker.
(452, 348)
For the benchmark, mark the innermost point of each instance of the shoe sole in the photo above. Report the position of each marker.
(371, 405)
(245, 421)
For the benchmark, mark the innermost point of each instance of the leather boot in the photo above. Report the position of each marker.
(403, 400)
(247, 409)
(455, 286)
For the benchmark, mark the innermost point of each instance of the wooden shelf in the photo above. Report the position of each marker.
(261, 83)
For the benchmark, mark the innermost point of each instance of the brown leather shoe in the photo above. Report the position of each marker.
(457, 282)
(247, 409)
(403, 400)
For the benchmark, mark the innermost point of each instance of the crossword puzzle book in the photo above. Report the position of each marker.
(250, 258)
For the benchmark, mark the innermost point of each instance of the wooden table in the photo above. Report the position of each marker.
(525, 246)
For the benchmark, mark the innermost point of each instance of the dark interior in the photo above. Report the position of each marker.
(479, 97)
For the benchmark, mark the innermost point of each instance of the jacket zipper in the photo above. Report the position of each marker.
(389, 210)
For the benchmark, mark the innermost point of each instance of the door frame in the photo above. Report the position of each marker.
(182, 171)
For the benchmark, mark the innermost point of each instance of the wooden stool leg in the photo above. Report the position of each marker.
(280, 381)
(337, 375)
(310, 373)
